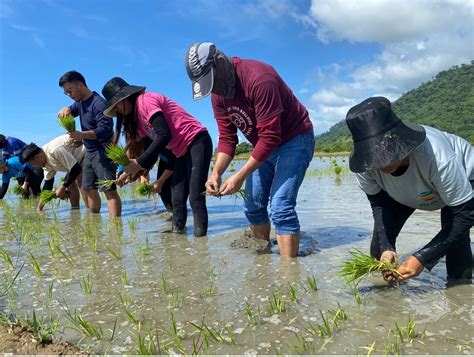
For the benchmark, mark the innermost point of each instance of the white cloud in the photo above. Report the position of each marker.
(418, 39)
(387, 21)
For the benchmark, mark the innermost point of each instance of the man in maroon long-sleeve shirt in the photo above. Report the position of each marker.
(250, 96)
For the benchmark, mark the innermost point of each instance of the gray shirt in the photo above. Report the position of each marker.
(438, 174)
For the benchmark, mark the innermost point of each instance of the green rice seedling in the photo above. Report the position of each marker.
(144, 189)
(399, 332)
(44, 329)
(354, 270)
(292, 292)
(86, 284)
(131, 317)
(211, 334)
(253, 317)
(210, 291)
(6, 257)
(18, 190)
(369, 349)
(410, 329)
(68, 122)
(117, 154)
(124, 277)
(302, 345)
(231, 168)
(132, 224)
(313, 286)
(325, 328)
(175, 301)
(392, 347)
(46, 196)
(146, 344)
(36, 266)
(176, 334)
(105, 184)
(164, 284)
(337, 170)
(49, 293)
(338, 315)
(81, 325)
(277, 304)
(356, 294)
(113, 253)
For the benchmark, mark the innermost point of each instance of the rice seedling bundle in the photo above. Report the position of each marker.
(47, 196)
(144, 189)
(117, 154)
(106, 183)
(68, 123)
(361, 265)
(18, 190)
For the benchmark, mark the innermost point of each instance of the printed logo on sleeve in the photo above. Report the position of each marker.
(429, 198)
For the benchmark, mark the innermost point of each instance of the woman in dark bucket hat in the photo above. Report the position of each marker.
(402, 167)
(149, 115)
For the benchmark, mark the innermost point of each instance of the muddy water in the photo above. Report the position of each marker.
(136, 268)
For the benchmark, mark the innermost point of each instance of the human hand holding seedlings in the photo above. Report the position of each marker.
(64, 112)
(232, 185)
(212, 185)
(76, 135)
(133, 168)
(389, 256)
(123, 179)
(61, 192)
(157, 186)
(410, 268)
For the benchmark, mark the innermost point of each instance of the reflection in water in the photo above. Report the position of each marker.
(144, 278)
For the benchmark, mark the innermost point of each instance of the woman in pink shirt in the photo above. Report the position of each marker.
(169, 126)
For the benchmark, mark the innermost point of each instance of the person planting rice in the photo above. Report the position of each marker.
(402, 167)
(250, 96)
(10, 146)
(60, 154)
(168, 125)
(97, 130)
(30, 176)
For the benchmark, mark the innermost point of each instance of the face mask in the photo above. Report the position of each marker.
(224, 76)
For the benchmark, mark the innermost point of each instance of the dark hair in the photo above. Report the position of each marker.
(28, 151)
(3, 139)
(71, 76)
(129, 122)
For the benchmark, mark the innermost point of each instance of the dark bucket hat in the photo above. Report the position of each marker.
(116, 90)
(380, 137)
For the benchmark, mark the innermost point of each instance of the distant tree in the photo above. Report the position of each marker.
(243, 148)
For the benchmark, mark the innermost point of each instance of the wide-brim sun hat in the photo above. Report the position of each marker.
(116, 90)
(380, 138)
(199, 62)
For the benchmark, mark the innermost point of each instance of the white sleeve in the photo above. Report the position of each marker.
(65, 158)
(367, 183)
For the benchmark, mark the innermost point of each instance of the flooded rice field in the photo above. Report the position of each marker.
(130, 286)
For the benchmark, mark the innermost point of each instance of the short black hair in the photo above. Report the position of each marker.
(28, 151)
(71, 76)
(3, 140)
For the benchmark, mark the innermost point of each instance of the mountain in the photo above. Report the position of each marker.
(445, 103)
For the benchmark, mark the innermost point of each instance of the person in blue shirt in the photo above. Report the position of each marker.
(10, 146)
(12, 168)
(97, 131)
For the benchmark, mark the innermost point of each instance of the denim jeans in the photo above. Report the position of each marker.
(277, 181)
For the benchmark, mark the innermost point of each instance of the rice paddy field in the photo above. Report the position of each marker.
(130, 286)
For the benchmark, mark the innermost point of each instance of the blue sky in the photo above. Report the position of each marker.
(332, 53)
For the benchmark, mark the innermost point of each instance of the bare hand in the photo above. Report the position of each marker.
(410, 268)
(76, 135)
(61, 192)
(232, 185)
(213, 184)
(389, 256)
(133, 168)
(157, 186)
(123, 179)
(64, 112)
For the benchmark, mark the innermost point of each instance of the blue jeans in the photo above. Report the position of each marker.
(278, 180)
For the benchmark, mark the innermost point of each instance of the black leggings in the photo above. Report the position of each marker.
(35, 177)
(189, 179)
(165, 193)
(458, 258)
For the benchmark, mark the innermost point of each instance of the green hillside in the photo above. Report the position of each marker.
(446, 103)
